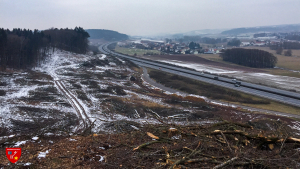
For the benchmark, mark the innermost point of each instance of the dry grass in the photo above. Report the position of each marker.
(284, 61)
(129, 51)
(292, 63)
(283, 73)
(138, 101)
(203, 89)
(274, 106)
(211, 57)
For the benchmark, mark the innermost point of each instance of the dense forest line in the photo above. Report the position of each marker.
(106, 35)
(250, 57)
(278, 28)
(200, 39)
(24, 48)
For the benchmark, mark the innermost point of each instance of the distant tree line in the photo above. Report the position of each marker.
(73, 40)
(286, 45)
(106, 35)
(293, 37)
(250, 57)
(279, 50)
(191, 38)
(194, 45)
(206, 40)
(213, 41)
(234, 42)
(20, 49)
(291, 45)
(259, 35)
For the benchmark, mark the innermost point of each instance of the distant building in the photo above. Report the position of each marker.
(245, 43)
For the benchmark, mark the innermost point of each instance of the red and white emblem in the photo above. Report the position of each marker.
(13, 154)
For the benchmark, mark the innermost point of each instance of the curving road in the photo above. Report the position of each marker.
(279, 95)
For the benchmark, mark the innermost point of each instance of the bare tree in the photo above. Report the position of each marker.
(288, 52)
(279, 50)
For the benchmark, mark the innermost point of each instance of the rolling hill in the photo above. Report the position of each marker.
(106, 34)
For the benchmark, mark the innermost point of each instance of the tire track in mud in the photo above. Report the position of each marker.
(76, 105)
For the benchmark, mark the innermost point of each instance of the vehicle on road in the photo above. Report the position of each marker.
(236, 85)
(216, 78)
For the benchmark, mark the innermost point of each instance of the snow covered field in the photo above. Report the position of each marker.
(70, 92)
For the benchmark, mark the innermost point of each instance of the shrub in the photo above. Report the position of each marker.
(2, 93)
(288, 52)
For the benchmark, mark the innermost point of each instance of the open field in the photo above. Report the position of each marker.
(286, 62)
(280, 72)
(217, 93)
(130, 51)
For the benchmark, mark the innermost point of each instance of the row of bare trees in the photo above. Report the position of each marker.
(23, 48)
(279, 51)
(250, 57)
(286, 45)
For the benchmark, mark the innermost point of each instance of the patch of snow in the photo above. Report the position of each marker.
(97, 71)
(136, 86)
(17, 144)
(72, 139)
(101, 158)
(199, 67)
(48, 134)
(107, 68)
(134, 127)
(176, 137)
(23, 92)
(43, 154)
(112, 64)
(296, 126)
(35, 138)
(102, 57)
(145, 97)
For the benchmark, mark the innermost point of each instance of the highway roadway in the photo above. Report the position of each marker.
(288, 97)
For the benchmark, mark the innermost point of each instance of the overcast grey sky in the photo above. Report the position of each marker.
(146, 17)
